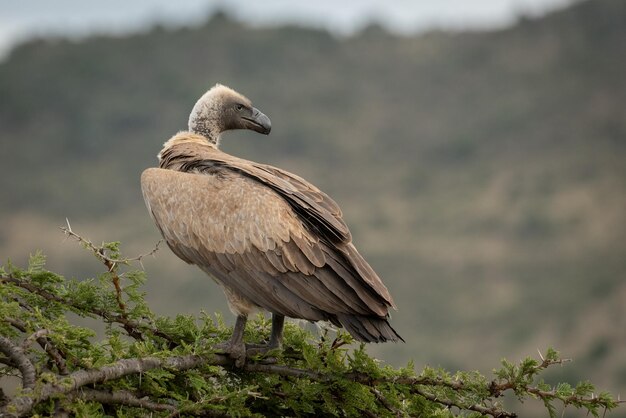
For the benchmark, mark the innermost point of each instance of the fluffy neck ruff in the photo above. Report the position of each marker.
(185, 137)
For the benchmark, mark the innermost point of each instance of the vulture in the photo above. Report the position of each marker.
(272, 240)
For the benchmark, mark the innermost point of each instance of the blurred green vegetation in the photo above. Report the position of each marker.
(483, 174)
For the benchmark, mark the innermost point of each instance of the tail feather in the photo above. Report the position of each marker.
(369, 329)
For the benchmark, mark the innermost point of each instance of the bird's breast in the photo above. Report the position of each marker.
(218, 213)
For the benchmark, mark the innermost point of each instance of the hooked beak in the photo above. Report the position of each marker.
(258, 122)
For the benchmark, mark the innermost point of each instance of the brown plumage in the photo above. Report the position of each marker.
(271, 239)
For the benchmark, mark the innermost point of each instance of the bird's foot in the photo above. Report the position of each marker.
(235, 350)
(260, 349)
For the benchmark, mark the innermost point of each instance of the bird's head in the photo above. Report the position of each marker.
(223, 109)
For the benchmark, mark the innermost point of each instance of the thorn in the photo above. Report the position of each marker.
(66, 229)
(541, 355)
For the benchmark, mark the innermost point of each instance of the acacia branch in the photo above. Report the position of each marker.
(15, 323)
(381, 398)
(128, 324)
(119, 397)
(76, 382)
(22, 405)
(417, 385)
(8, 362)
(15, 354)
(54, 353)
(364, 379)
(493, 411)
(202, 413)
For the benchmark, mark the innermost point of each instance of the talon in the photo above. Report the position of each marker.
(260, 349)
(235, 351)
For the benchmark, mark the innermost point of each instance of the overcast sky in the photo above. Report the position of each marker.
(20, 19)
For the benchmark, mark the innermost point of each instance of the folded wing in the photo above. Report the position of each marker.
(272, 238)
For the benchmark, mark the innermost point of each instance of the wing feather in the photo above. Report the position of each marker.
(276, 261)
(297, 258)
(221, 259)
(311, 289)
(312, 250)
(366, 272)
(277, 297)
(343, 270)
(349, 301)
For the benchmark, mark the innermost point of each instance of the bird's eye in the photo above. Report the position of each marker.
(238, 107)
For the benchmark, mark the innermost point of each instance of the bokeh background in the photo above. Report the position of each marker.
(478, 150)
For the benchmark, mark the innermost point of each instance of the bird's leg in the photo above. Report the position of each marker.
(235, 346)
(276, 339)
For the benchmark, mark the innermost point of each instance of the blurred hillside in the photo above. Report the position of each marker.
(483, 174)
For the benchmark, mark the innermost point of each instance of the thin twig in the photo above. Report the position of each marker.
(34, 337)
(67, 230)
